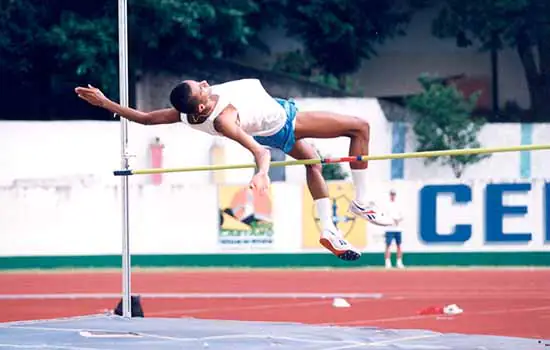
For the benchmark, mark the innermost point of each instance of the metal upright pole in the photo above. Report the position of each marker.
(123, 86)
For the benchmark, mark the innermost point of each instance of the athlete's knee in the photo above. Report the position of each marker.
(364, 127)
(361, 127)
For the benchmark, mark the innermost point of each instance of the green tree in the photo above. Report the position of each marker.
(520, 24)
(46, 48)
(171, 34)
(84, 49)
(332, 171)
(302, 65)
(339, 34)
(444, 121)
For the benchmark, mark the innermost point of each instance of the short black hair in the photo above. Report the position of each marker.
(182, 99)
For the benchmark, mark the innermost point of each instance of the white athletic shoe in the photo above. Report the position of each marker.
(338, 246)
(388, 264)
(400, 264)
(371, 213)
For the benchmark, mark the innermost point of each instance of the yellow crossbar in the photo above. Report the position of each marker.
(426, 154)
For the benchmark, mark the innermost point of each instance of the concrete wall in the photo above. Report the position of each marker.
(90, 151)
(400, 61)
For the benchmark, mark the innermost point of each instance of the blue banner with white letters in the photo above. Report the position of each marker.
(511, 214)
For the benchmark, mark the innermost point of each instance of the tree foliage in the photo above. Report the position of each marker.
(521, 24)
(444, 121)
(184, 32)
(339, 34)
(46, 48)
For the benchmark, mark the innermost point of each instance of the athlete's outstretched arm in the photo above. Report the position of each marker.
(227, 124)
(95, 97)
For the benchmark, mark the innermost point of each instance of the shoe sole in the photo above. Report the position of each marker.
(348, 255)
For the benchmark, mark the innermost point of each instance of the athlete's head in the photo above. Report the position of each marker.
(190, 96)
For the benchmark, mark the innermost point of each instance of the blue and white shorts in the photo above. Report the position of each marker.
(284, 139)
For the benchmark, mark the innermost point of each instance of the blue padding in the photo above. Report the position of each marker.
(122, 172)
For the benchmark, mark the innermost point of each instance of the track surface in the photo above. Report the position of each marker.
(498, 302)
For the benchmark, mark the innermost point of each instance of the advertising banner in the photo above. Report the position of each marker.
(353, 228)
(245, 218)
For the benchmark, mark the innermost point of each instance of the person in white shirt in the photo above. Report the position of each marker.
(394, 234)
(243, 111)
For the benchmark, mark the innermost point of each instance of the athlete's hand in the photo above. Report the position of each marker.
(260, 182)
(91, 95)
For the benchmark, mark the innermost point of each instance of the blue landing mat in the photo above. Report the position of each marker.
(113, 332)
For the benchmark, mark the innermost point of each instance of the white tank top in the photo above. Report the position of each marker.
(259, 113)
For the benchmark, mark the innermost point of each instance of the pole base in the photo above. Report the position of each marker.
(136, 308)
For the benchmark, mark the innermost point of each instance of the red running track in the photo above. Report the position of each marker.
(497, 302)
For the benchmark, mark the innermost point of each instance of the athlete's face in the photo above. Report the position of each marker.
(200, 90)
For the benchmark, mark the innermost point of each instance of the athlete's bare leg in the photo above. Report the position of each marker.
(314, 173)
(319, 124)
(330, 238)
(327, 125)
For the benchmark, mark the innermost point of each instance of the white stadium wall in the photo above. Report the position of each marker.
(58, 197)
